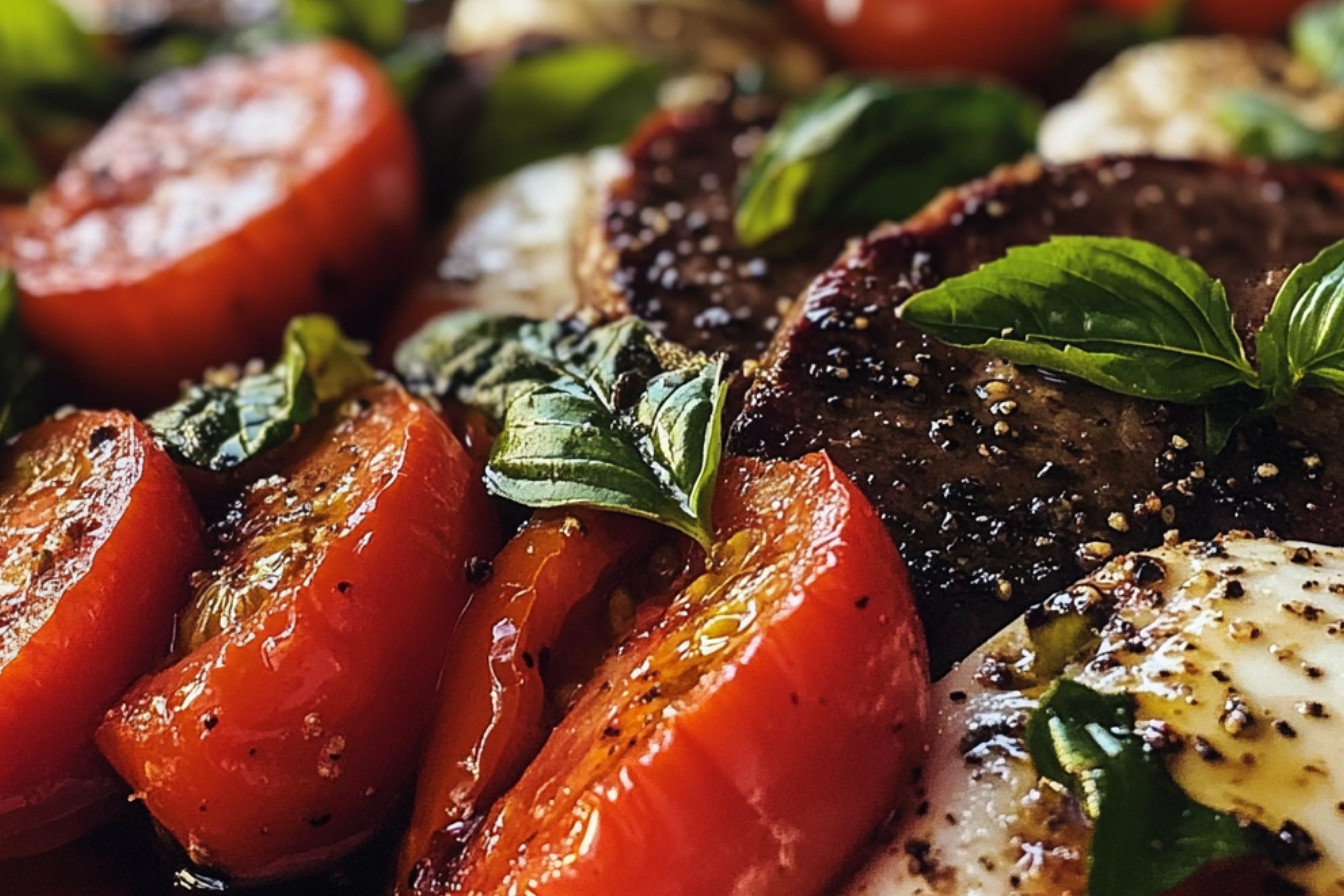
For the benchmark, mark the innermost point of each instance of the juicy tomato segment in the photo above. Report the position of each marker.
(287, 736)
(217, 204)
(492, 715)
(749, 739)
(1019, 39)
(97, 538)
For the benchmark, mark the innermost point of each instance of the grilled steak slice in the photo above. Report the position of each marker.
(665, 250)
(997, 483)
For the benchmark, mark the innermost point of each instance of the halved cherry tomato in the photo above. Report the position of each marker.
(97, 538)
(1019, 39)
(1264, 18)
(747, 741)
(289, 737)
(217, 204)
(492, 715)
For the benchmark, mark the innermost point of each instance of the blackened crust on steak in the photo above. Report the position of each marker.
(666, 250)
(998, 483)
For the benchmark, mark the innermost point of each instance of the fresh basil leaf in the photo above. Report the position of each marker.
(376, 25)
(219, 425)
(20, 367)
(1265, 128)
(1302, 340)
(560, 102)
(1123, 314)
(1148, 836)
(608, 417)
(1317, 35)
(1105, 33)
(42, 48)
(862, 151)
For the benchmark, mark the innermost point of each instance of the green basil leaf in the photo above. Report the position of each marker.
(1123, 314)
(1318, 37)
(41, 47)
(376, 25)
(1103, 33)
(1265, 128)
(1148, 836)
(859, 152)
(20, 367)
(1302, 340)
(608, 417)
(561, 102)
(219, 425)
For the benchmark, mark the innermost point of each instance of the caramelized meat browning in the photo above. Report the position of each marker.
(998, 483)
(666, 251)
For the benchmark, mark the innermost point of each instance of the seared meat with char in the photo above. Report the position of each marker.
(998, 483)
(666, 251)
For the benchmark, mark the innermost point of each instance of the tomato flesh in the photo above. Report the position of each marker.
(216, 205)
(97, 537)
(749, 739)
(289, 734)
(1018, 39)
(492, 715)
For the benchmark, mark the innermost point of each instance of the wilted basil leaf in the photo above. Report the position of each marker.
(1302, 340)
(1318, 37)
(859, 152)
(376, 25)
(561, 102)
(608, 417)
(219, 425)
(1123, 314)
(20, 367)
(1265, 128)
(1148, 836)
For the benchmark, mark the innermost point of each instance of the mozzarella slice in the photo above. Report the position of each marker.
(1237, 645)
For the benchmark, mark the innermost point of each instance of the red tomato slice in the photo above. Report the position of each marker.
(1019, 38)
(217, 204)
(491, 718)
(97, 538)
(289, 737)
(747, 741)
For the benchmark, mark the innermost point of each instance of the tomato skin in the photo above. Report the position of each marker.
(1261, 18)
(289, 737)
(100, 614)
(216, 205)
(491, 717)
(704, 756)
(1017, 39)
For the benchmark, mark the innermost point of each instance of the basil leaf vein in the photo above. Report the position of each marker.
(219, 425)
(863, 151)
(1120, 313)
(607, 417)
(1148, 835)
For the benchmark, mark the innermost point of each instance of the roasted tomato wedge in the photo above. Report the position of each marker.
(289, 734)
(492, 716)
(97, 538)
(747, 741)
(217, 204)
(1019, 39)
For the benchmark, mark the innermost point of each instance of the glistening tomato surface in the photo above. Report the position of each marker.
(747, 741)
(290, 733)
(217, 204)
(1019, 38)
(491, 718)
(97, 538)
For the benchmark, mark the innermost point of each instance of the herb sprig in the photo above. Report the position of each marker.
(1136, 319)
(609, 416)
